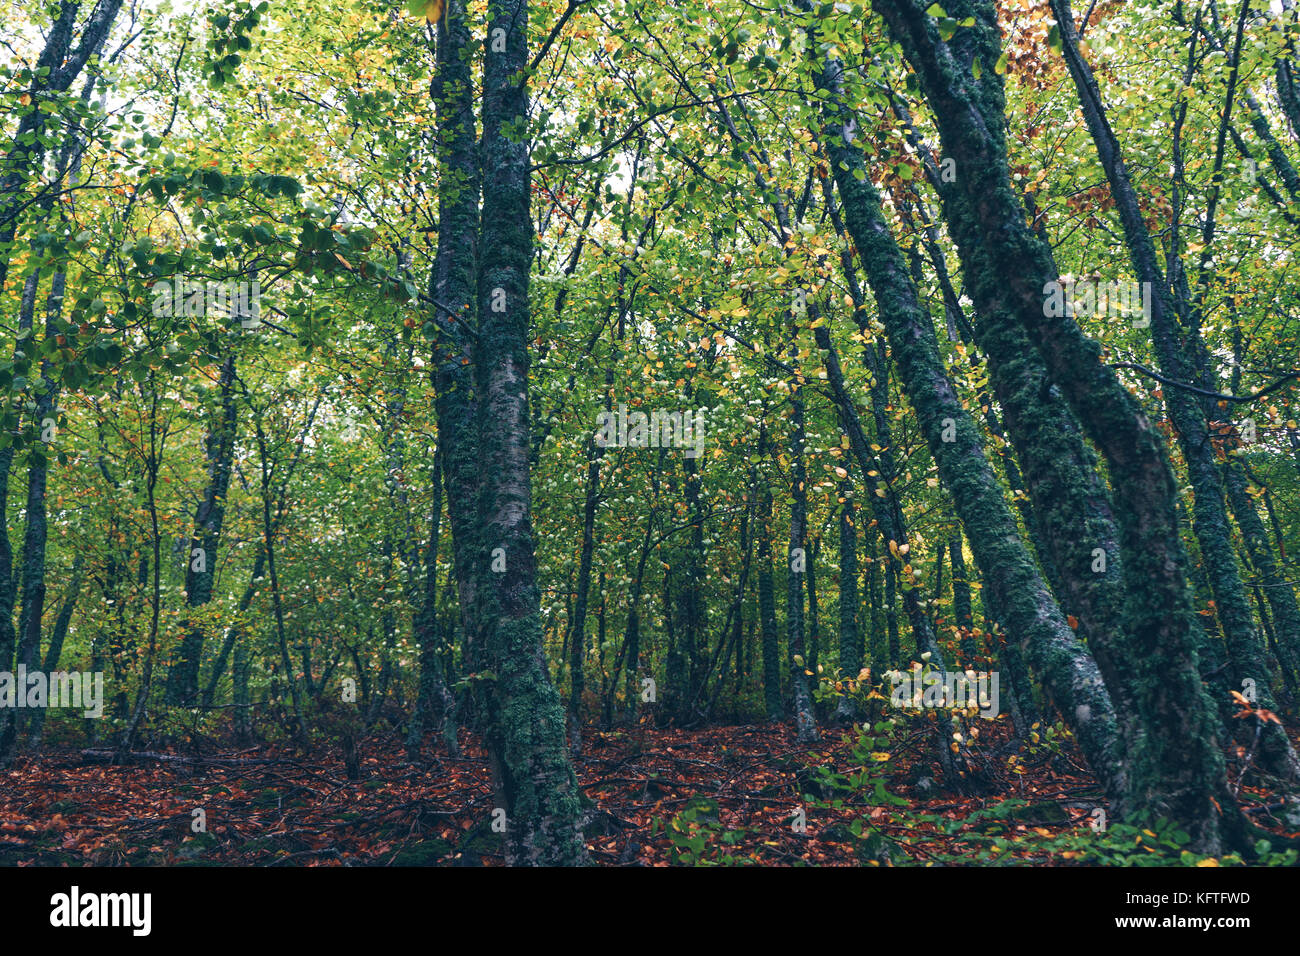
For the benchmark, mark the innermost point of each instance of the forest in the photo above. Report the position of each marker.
(597, 433)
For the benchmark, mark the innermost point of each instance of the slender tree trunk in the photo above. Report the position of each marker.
(850, 636)
(891, 612)
(693, 612)
(961, 605)
(37, 532)
(578, 626)
(767, 610)
(235, 633)
(268, 540)
(1276, 588)
(632, 635)
(433, 692)
(57, 637)
(452, 286)
(201, 559)
(879, 643)
(814, 610)
(797, 568)
(153, 462)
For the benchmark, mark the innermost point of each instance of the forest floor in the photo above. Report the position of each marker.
(720, 795)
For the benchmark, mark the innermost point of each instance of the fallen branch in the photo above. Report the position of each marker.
(112, 756)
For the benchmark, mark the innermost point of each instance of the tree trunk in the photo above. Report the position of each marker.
(201, 558)
(1180, 770)
(57, 637)
(850, 636)
(767, 609)
(796, 571)
(1066, 667)
(1185, 362)
(525, 717)
(236, 631)
(433, 693)
(578, 625)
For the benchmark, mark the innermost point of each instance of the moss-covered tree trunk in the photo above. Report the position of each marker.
(524, 729)
(1274, 585)
(1183, 357)
(453, 287)
(1179, 770)
(1008, 570)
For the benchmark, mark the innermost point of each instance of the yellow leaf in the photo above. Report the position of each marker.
(433, 10)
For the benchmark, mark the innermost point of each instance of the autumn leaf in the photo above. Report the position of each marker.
(431, 10)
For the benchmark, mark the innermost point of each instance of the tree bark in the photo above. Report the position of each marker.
(1064, 664)
(1185, 361)
(796, 571)
(183, 680)
(524, 730)
(1180, 770)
